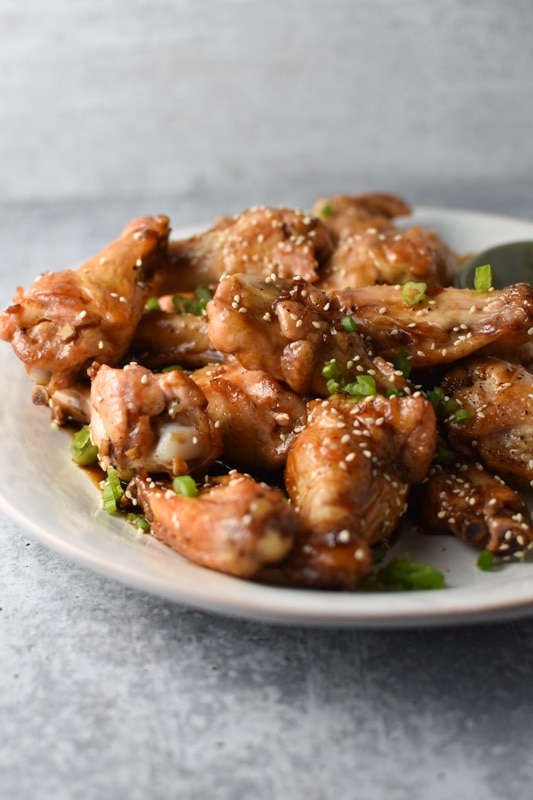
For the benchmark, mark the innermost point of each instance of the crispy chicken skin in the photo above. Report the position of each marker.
(346, 214)
(164, 338)
(290, 330)
(234, 525)
(500, 432)
(260, 241)
(153, 422)
(67, 319)
(348, 474)
(465, 499)
(391, 256)
(446, 325)
(257, 417)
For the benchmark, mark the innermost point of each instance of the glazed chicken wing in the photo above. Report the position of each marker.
(234, 525)
(257, 417)
(467, 500)
(261, 241)
(290, 330)
(153, 422)
(67, 319)
(348, 474)
(444, 325)
(390, 256)
(346, 214)
(499, 396)
(163, 339)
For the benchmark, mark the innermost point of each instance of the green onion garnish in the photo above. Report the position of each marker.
(463, 413)
(483, 278)
(442, 404)
(349, 324)
(188, 305)
(82, 449)
(443, 455)
(112, 491)
(414, 293)
(172, 368)
(363, 386)
(152, 304)
(484, 560)
(403, 363)
(185, 486)
(326, 210)
(139, 520)
(404, 574)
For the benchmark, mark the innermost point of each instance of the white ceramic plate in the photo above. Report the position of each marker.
(57, 503)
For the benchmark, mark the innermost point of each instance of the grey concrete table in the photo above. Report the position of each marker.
(107, 692)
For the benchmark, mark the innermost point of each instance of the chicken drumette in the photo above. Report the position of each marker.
(67, 319)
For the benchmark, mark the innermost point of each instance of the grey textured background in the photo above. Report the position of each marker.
(195, 107)
(281, 99)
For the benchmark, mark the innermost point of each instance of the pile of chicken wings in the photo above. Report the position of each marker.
(315, 373)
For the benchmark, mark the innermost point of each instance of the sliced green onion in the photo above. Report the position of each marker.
(332, 370)
(326, 210)
(152, 304)
(363, 386)
(403, 363)
(443, 455)
(112, 491)
(139, 520)
(349, 324)
(483, 278)
(442, 404)
(393, 393)
(463, 413)
(188, 305)
(414, 293)
(333, 386)
(484, 560)
(185, 486)
(172, 368)
(82, 449)
(404, 574)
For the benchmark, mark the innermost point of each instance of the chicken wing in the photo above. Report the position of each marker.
(499, 396)
(67, 319)
(346, 214)
(163, 339)
(261, 241)
(348, 474)
(234, 525)
(391, 256)
(446, 324)
(290, 330)
(467, 500)
(154, 422)
(257, 417)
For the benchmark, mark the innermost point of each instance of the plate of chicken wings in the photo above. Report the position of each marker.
(291, 416)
